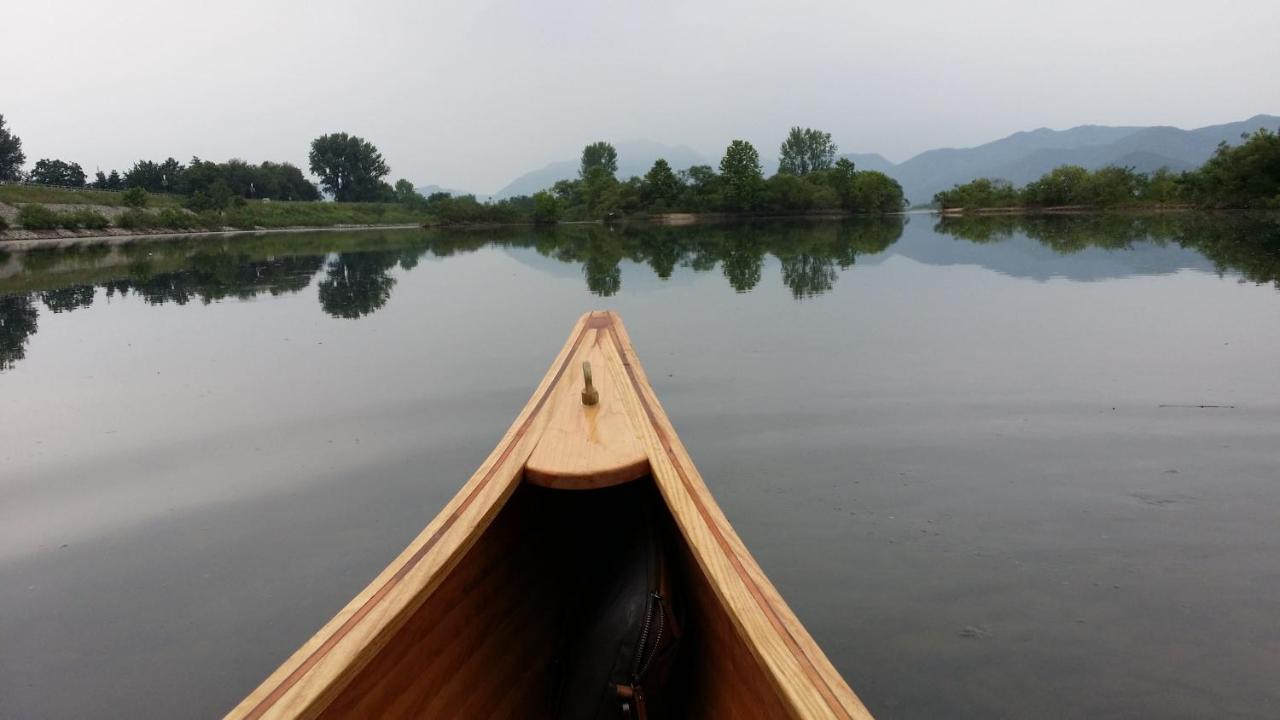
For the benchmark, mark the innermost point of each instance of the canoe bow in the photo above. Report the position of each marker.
(557, 441)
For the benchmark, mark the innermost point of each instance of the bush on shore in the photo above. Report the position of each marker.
(134, 197)
(38, 217)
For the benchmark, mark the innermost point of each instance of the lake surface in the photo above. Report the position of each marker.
(970, 454)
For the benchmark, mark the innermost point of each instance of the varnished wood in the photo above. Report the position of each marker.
(464, 622)
(589, 446)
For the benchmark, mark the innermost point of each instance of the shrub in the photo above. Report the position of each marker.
(135, 219)
(174, 218)
(37, 217)
(241, 218)
(199, 202)
(134, 197)
(88, 219)
(210, 220)
(4, 224)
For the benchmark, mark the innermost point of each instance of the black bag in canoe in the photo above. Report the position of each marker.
(625, 627)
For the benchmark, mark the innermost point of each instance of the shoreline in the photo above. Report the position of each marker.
(1068, 210)
(124, 238)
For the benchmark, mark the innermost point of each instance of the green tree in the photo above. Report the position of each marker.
(350, 168)
(1064, 185)
(806, 150)
(788, 193)
(598, 155)
(740, 176)
(875, 192)
(57, 172)
(1247, 175)
(980, 193)
(660, 184)
(406, 194)
(702, 188)
(1162, 186)
(167, 176)
(546, 208)
(598, 191)
(840, 180)
(11, 157)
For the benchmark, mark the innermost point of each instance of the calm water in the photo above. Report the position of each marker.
(967, 453)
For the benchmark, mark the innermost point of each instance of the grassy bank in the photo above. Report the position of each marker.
(22, 194)
(46, 209)
(321, 214)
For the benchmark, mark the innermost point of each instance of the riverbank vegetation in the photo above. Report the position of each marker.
(810, 179)
(1240, 177)
(352, 171)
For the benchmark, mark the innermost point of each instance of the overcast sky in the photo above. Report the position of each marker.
(470, 94)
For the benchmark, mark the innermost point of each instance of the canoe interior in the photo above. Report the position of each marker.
(485, 643)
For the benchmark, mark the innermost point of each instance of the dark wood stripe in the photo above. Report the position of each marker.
(763, 602)
(593, 323)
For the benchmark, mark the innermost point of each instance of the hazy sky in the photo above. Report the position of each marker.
(470, 94)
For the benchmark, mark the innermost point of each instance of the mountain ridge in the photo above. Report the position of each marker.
(1019, 157)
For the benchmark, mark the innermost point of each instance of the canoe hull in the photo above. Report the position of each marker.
(459, 625)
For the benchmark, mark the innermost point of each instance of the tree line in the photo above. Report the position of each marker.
(1240, 176)
(810, 178)
(349, 168)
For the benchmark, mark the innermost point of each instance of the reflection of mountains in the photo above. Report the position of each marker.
(1099, 247)
(357, 280)
(1018, 252)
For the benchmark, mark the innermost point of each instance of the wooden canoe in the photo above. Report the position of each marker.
(457, 626)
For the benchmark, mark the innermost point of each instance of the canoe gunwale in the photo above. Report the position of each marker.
(318, 671)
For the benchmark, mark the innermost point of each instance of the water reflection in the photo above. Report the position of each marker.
(811, 254)
(357, 284)
(1237, 243)
(356, 280)
(214, 276)
(17, 323)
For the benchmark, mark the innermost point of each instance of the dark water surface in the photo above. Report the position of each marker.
(969, 454)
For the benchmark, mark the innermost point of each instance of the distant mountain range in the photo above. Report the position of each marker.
(634, 158)
(429, 190)
(1025, 156)
(1018, 158)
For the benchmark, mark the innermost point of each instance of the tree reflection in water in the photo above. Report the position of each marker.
(358, 284)
(18, 319)
(1245, 243)
(356, 270)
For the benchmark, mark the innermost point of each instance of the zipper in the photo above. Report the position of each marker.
(645, 654)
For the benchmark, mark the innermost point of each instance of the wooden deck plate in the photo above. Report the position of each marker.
(588, 446)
